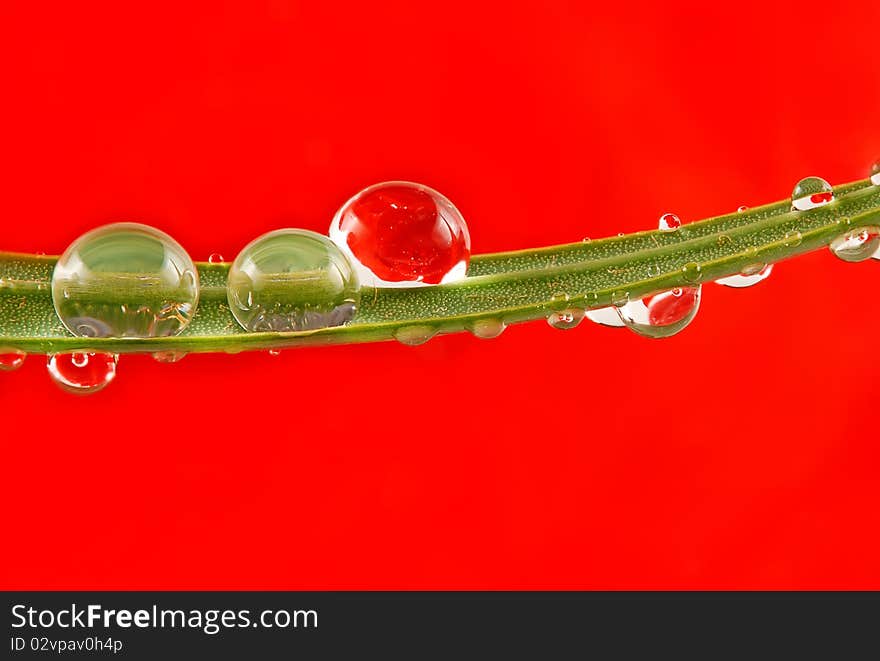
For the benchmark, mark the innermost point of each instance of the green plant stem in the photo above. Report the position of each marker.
(510, 287)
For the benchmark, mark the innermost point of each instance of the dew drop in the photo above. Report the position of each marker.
(662, 315)
(810, 193)
(11, 359)
(169, 356)
(669, 222)
(857, 245)
(742, 208)
(215, 258)
(619, 298)
(82, 373)
(487, 329)
(751, 275)
(414, 335)
(875, 173)
(403, 234)
(586, 239)
(792, 239)
(605, 317)
(692, 272)
(566, 319)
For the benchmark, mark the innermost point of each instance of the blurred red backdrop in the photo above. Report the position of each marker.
(740, 454)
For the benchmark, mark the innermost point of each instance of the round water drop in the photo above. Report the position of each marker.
(169, 356)
(792, 239)
(274, 352)
(402, 234)
(605, 317)
(215, 258)
(875, 172)
(751, 275)
(11, 359)
(487, 329)
(857, 245)
(669, 222)
(82, 373)
(663, 314)
(692, 272)
(125, 280)
(413, 336)
(292, 280)
(810, 193)
(742, 208)
(566, 319)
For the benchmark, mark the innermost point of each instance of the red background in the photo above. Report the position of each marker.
(740, 454)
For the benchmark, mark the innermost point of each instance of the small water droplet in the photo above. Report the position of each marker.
(792, 238)
(750, 275)
(619, 298)
(857, 245)
(875, 172)
(169, 356)
(742, 208)
(811, 192)
(82, 373)
(621, 234)
(669, 222)
(558, 301)
(653, 270)
(586, 239)
(605, 317)
(414, 335)
(274, 352)
(487, 329)
(566, 319)
(591, 298)
(11, 359)
(692, 272)
(215, 258)
(662, 315)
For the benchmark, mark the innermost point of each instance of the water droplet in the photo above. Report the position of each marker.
(692, 272)
(487, 329)
(215, 258)
(590, 299)
(566, 319)
(169, 356)
(559, 301)
(875, 173)
(857, 245)
(792, 238)
(274, 352)
(605, 317)
(401, 234)
(586, 239)
(82, 373)
(292, 280)
(663, 314)
(125, 280)
(810, 193)
(742, 208)
(669, 222)
(751, 275)
(11, 359)
(414, 335)
(619, 298)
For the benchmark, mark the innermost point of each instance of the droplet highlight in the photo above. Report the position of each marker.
(857, 245)
(875, 172)
(662, 315)
(810, 193)
(82, 373)
(604, 317)
(11, 359)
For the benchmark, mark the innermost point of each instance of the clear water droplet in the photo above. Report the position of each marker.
(605, 317)
(742, 208)
(11, 359)
(619, 298)
(403, 234)
(875, 172)
(559, 300)
(792, 239)
(811, 192)
(692, 272)
(751, 275)
(857, 245)
(566, 319)
(169, 356)
(292, 280)
(274, 352)
(125, 280)
(82, 373)
(487, 329)
(414, 335)
(215, 258)
(669, 222)
(662, 315)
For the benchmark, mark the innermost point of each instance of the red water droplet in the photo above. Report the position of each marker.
(820, 198)
(669, 221)
(671, 309)
(12, 360)
(82, 373)
(403, 232)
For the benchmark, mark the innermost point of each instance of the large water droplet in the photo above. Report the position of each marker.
(292, 280)
(125, 280)
(414, 335)
(663, 314)
(669, 222)
(566, 319)
(169, 356)
(810, 193)
(857, 245)
(403, 234)
(11, 359)
(487, 329)
(875, 172)
(751, 275)
(82, 373)
(605, 317)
